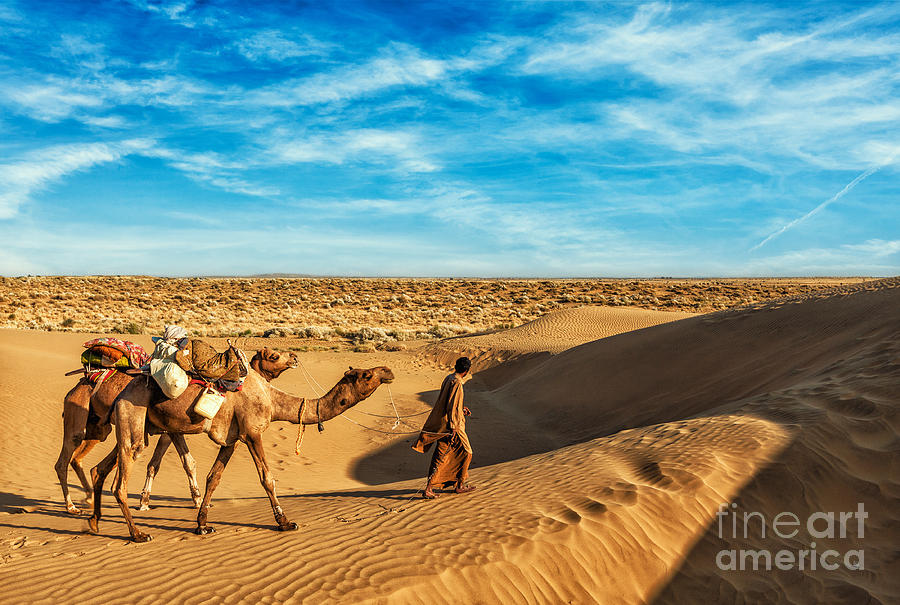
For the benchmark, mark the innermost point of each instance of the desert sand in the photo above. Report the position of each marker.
(606, 440)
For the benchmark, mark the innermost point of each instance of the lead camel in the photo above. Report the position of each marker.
(244, 416)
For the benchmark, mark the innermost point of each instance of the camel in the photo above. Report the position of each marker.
(270, 364)
(244, 416)
(85, 424)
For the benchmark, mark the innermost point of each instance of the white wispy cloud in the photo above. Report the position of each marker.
(52, 98)
(19, 264)
(403, 150)
(715, 55)
(396, 65)
(105, 121)
(727, 87)
(178, 12)
(221, 249)
(38, 170)
(88, 54)
(214, 169)
(870, 258)
(274, 45)
(876, 247)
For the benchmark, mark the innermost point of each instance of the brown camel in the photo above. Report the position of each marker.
(243, 416)
(270, 364)
(85, 424)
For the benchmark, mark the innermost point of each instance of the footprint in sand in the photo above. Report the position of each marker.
(852, 406)
(624, 494)
(650, 472)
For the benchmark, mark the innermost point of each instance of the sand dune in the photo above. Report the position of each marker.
(551, 333)
(600, 470)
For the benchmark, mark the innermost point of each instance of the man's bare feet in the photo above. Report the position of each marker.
(429, 494)
(464, 489)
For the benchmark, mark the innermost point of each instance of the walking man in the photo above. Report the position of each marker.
(446, 426)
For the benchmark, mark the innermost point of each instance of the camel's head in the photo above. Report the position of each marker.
(366, 381)
(271, 363)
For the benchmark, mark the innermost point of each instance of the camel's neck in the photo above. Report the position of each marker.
(339, 399)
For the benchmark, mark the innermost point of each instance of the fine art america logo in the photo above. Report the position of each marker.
(786, 525)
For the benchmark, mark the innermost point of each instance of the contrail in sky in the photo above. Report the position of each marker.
(830, 200)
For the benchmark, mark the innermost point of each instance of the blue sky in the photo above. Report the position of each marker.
(449, 139)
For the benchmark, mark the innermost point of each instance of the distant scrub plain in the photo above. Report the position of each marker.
(362, 312)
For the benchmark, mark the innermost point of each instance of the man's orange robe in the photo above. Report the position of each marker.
(452, 456)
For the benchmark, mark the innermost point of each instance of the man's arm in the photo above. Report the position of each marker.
(455, 406)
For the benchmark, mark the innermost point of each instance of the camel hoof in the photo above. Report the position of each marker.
(141, 538)
(144, 506)
(291, 526)
(206, 529)
(93, 525)
(74, 510)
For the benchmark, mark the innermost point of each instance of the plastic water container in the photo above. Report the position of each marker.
(209, 403)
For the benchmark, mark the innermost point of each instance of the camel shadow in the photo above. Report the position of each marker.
(15, 503)
(388, 494)
(65, 532)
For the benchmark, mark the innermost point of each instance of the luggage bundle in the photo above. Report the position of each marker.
(112, 353)
(177, 361)
(219, 372)
(201, 359)
(168, 375)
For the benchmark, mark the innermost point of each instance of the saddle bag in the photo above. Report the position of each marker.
(169, 376)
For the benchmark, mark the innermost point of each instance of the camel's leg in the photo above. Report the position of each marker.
(190, 468)
(212, 481)
(254, 444)
(62, 472)
(98, 475)
(129, 444)
(153, 467)
(75, 415)
(77, 458)
(187, 461)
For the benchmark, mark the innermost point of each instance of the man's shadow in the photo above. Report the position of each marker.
(496, 436)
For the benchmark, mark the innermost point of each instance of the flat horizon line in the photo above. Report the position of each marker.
(447, 277)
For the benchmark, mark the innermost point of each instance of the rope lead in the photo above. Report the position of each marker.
(398, 419)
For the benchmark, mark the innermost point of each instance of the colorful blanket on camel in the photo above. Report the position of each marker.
(113, 353)
(98, 377)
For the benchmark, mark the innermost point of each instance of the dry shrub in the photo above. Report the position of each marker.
(355, 310)
(317, 332)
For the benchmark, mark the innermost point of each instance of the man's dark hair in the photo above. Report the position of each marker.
(463, 364)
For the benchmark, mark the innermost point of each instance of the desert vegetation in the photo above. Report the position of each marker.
(361, 312)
